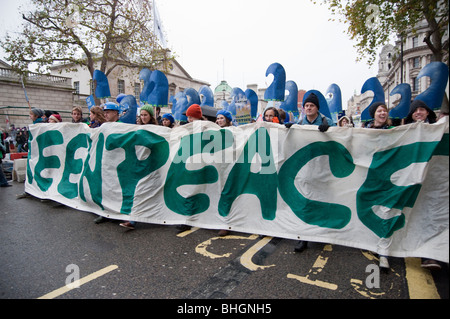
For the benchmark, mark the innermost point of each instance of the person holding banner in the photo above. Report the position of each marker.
(77, 115)
(111, 111)
(167, 120)
(313, 116)
(380, 114)
(97, 117)
(147, 117)
(55, 118)
(36, 115)
(419, 111)
(271, 114)
(224, 118)
(194, 113)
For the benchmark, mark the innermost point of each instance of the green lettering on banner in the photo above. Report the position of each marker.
(317, 213)
(178, 175)
(29, 172)
(72, 166)
(132, 169)
(263, 183)
(378, 189)
(94, 177)
(44, 140)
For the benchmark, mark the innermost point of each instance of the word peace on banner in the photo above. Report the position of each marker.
(364, 188)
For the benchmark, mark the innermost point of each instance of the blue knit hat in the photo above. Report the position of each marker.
(169, 117)
(225, 113)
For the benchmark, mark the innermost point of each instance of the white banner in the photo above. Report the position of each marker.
(382, 190)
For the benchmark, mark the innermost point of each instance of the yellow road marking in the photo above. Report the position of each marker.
(201, 248)
(77, 283)
(187, 232)
(246, 258)
(420, 282)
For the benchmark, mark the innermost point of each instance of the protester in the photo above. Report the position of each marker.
(194, 113)
(147, 115)
(21, 140)
(420, 112)
(271, 115)
(55, 118)
(313, 116)
(97, 116)
(36, 115)
(167, 120)
(345, 121)
(77, 115)
(379, 113)
(224, 118)
(3, 180)
(111, 111)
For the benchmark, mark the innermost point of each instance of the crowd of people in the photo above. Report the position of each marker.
(149, 115)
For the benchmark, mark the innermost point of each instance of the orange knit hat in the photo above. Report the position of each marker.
(194, 111)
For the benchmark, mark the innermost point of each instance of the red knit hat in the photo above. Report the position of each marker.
(57, 117)
(194, 111)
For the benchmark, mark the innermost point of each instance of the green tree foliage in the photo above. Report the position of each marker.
(372, 22)
(82, 33)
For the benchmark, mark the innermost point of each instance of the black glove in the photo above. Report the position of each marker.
(323, 127)
(288, 125)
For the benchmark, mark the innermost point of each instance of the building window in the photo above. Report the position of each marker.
(416, 85)
(120, 86)
(76, 86)
(137, 90)
(416, 63)
(415, 42)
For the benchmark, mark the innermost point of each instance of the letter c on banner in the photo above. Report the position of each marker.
(322, 214)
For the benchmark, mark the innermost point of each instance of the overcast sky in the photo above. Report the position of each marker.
(237, 40)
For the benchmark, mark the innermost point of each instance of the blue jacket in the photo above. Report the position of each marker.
(318, 121)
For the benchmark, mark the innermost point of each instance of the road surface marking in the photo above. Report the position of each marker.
(420, 282)
(246, 258)
(77, 283)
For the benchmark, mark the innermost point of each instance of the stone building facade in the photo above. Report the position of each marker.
(48, 92)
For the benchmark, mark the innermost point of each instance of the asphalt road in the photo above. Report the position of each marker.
(45, 246)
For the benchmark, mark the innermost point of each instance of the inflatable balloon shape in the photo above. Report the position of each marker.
(334, 99)
(374, 85)
(102, 87)
(253, 98)
(323, 107)
(275, 91)
(145, 75)
(290, 104)
(206, 96)
(160, 94)
(402, 108)
(236, 95)
(434, 95)
(179, 106)
(129, 104)
(182, 101)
